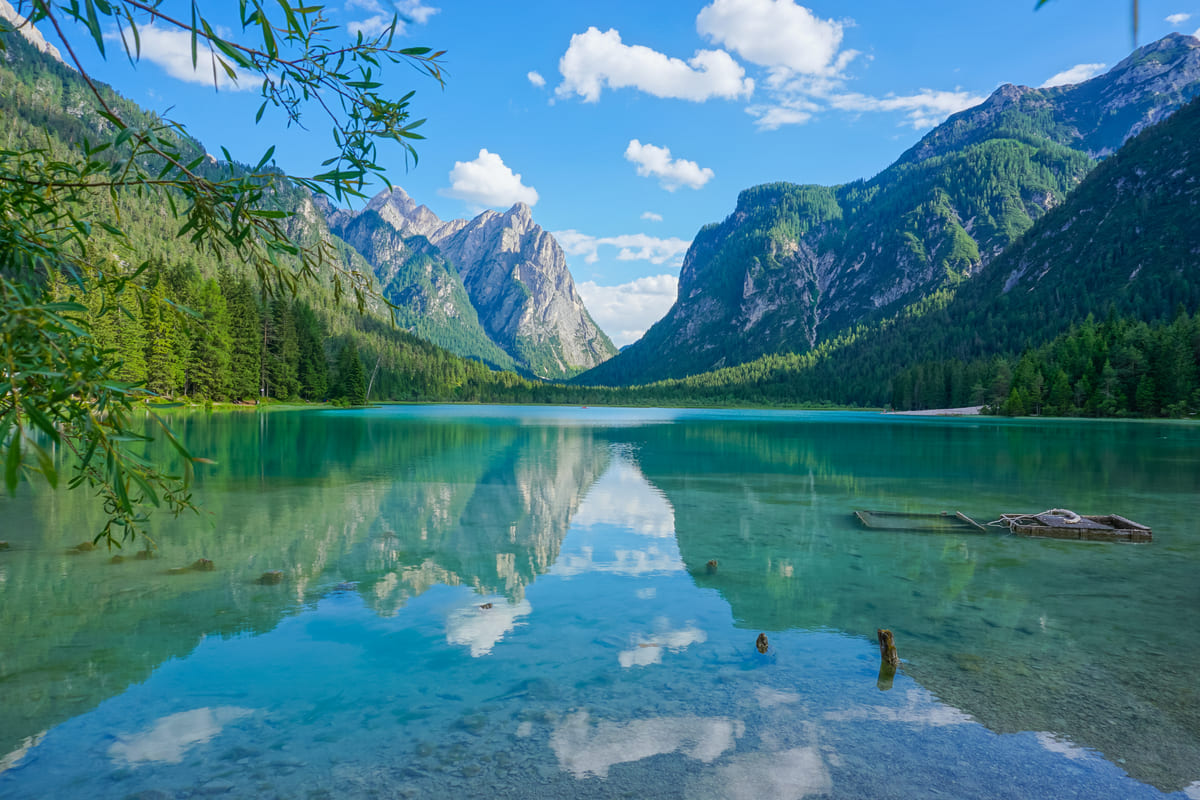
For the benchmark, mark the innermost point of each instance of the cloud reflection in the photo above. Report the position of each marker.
(585, 749)
(787, 775)
(168, 739)
(920, 709)
(625, 499)
(649, 650)
(480, 628)
(625, 562)
(17, 756)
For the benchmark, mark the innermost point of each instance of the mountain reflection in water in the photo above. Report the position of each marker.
(538, 578)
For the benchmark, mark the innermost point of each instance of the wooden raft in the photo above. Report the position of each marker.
(1085, 527)
(944, 522)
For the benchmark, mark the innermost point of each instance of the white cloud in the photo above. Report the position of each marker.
(925, 109)
(594, 60)
(1175, 20)
(777, 34)
(627, 311)
(632, 246)
(536, 78)
(649, 650)
(379, 16)
(650, 216)
(791, 111)
(653, 161)
(486, 181)
(172, 50)
(1076, 74)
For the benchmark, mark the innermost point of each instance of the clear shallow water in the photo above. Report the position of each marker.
(611, 663)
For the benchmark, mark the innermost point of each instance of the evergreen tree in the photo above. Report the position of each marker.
(244, 329)
(351, 378)
(313, 371)
(281, 355)
(209, 368)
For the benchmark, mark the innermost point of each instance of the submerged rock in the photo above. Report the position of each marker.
(271, 577)
(116, 559)
(203, 565)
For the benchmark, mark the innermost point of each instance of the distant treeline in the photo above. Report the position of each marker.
(1117, 368)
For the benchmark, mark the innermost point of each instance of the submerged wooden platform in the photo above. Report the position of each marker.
(1086, 527)
(945, 521)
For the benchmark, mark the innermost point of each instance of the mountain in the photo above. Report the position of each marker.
(1121, 251)
(243, 342)
(795, 266)
(429, 295)
(495, 287)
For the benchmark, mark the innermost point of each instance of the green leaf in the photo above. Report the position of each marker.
(46, 465)
(40, 419)
(12, 463)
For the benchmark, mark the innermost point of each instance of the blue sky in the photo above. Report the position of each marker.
(632, 124)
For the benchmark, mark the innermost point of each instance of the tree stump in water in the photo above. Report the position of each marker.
(887, 648)
(711, 567)
(761, 643)
(889, 659)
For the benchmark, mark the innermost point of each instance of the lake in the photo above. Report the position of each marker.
(515, 602)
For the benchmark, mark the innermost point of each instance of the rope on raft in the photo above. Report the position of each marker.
(1009, 520)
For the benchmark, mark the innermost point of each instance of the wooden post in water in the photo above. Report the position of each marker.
(889, 659)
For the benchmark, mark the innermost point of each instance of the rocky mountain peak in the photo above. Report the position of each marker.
(30, 33)
(513, 273)
(520, 213)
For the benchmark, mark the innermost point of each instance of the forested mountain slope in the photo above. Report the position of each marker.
(1123, 249)
(241, 342)
(795, 266)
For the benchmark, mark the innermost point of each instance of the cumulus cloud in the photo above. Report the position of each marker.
(1175, 20)
(536, 78)
(379, 17)
(656, 162)
(631, 246)
(487, 181)
(172, 51)
(650, 216)
(627, 311)
(778, 34)
(1076, 74)
(594, 60)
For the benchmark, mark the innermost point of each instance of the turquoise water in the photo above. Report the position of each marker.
(611, 661)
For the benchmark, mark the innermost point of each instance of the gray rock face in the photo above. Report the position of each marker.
(514, 273)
